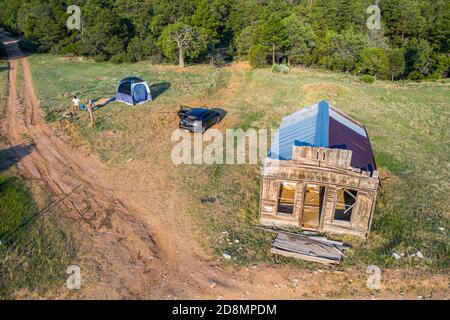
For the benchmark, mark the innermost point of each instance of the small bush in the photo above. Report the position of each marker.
(280, 68)
(52, 116)
(434, 76)
(415, 76)
(258, 56)
(119, 58)
(70, 46)
(101, 57)
(368, 78)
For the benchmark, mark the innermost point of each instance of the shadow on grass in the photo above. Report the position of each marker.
(221, 111)
(103, 103)
(158, 89)
(11, 156)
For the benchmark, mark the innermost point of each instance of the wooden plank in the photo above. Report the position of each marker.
(318, 249)
(299, 196)
(304, 244)
(308, 251)
(306, 248)
(281, 164)
(363, 210)
(310, 235)
(276, 221)
(303, 256)
(324, 175)
(311, 250)
(344, 229)
(322, 250)
(329, 203)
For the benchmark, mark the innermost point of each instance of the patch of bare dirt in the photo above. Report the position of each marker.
(239, 66)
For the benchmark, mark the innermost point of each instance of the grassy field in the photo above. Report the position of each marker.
(34, 252)
(59, 79)
(407, 122)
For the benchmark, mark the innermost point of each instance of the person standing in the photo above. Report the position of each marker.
(75, 103)
(89, 107)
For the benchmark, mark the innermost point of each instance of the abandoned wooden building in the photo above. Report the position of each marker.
(320, 174)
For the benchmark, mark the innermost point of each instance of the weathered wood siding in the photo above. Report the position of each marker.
(328, 206)
(326, 167)
(364, 210)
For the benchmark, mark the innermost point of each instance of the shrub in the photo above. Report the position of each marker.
(69, 46)
(367, 78)
(434, 76)
(119, 58)
(396, 66)
(101, 57)
(52, 116)
(443, 65)
(373, 61)
(258, 56)
(418, 58)
(280, 68)
(415, 76)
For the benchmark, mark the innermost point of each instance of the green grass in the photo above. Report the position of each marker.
(34, 252)
(58, 79)
(407, 123)
(408, 126)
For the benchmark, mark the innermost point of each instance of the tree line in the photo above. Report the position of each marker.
(413, 41)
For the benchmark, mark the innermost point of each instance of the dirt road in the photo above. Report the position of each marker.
(114, 235)
(141, 244)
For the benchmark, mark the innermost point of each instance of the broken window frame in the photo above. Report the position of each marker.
(280, 188)
(320, 207)
(348, 208)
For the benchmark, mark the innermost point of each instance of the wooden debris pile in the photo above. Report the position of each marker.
(310, 248)
(70, 115)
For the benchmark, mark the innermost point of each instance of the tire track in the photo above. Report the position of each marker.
(112, 235)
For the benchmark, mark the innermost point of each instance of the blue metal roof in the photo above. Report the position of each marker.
(320, 125)
(307, 127)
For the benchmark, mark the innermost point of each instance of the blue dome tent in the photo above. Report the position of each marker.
(132, 91)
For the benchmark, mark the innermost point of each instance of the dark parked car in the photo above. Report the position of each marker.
(197, 119)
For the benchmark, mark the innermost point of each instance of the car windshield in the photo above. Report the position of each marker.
(189, 116)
